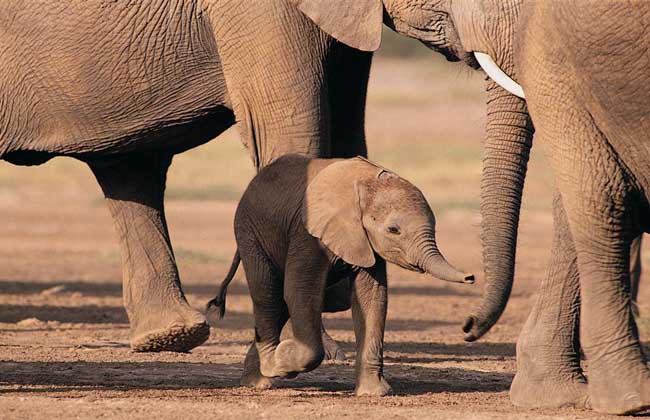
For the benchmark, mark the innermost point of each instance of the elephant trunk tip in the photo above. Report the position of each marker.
(469, 279)
(476, 326)
(438, 267)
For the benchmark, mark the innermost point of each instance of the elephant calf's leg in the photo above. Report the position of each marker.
(369, 304)
(160, 317)
(252, 376)
(337, 299)
(548, 360)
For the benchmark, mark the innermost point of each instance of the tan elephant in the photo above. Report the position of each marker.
(582, 67)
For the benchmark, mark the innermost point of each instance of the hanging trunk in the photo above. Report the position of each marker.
(506, 151)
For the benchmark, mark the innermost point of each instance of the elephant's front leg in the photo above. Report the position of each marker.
(369, 305)
(601, 202)
(548, 359)
(160, 317)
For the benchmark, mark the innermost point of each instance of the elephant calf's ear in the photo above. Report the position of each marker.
(356, 23)
(332, 213)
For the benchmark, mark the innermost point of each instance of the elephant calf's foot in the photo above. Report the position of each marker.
(252, 377)
(177, 337)
(290, 358)
(332, 349)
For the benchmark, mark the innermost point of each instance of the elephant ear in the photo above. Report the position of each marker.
(332, 210)
(356, 23)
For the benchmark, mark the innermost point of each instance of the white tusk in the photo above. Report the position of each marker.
(499, 76)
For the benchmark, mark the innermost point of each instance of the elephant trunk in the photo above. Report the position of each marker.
(425, 255)
(437, 266)
(507, 148)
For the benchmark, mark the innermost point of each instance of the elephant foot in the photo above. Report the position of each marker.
(290, 358)
(372, 385)
(177, 337)
(252, 377)
(332, 349)
(256, 380)
(619, 390)
(548, 392)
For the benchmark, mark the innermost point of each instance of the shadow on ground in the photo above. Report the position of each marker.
(103, 289)
(91, 314)
(119, 376)
(238, 287)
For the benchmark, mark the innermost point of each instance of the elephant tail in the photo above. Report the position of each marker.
(218, 304)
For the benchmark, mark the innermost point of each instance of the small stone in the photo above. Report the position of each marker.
(31, 323)
(55, 290)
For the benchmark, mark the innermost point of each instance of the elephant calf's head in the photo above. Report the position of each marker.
(357, 209)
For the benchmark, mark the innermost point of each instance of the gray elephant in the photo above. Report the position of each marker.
(305, 225)
(124, 86)
(581, 65)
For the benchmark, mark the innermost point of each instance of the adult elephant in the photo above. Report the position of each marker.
(123, 86)
(582, 65)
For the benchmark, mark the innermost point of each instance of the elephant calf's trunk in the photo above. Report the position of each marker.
(437, 266)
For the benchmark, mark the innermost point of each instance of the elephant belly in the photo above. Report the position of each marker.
(104, 78)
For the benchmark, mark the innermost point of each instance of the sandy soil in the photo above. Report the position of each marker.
(64, 335)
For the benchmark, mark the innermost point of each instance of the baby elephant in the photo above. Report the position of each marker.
(303, 225)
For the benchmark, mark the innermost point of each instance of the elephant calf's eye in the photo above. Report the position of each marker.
(394, 230)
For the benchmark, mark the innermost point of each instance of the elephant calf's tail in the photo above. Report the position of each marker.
(219, 301)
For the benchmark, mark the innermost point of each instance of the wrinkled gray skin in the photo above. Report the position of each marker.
(305, 226)
(125, 85)
(588, 92)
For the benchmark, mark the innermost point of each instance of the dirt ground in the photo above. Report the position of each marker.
(64, 349)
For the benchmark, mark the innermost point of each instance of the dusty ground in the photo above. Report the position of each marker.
(64, 335)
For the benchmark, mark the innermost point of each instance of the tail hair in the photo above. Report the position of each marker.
(218, 303)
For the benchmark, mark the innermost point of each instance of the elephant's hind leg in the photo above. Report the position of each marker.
(160, 317)
(548, 359)
(269, 310)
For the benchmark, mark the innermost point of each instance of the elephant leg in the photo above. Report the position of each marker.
(337, 299)
(548, 348)
(369, 305)
(160, 317)
(269, 310)
(252, 376)
(332, 350)
(635, 272)
(262, 79)
(619, 379)
(348, 73)
(304, 284)
(600, 202)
